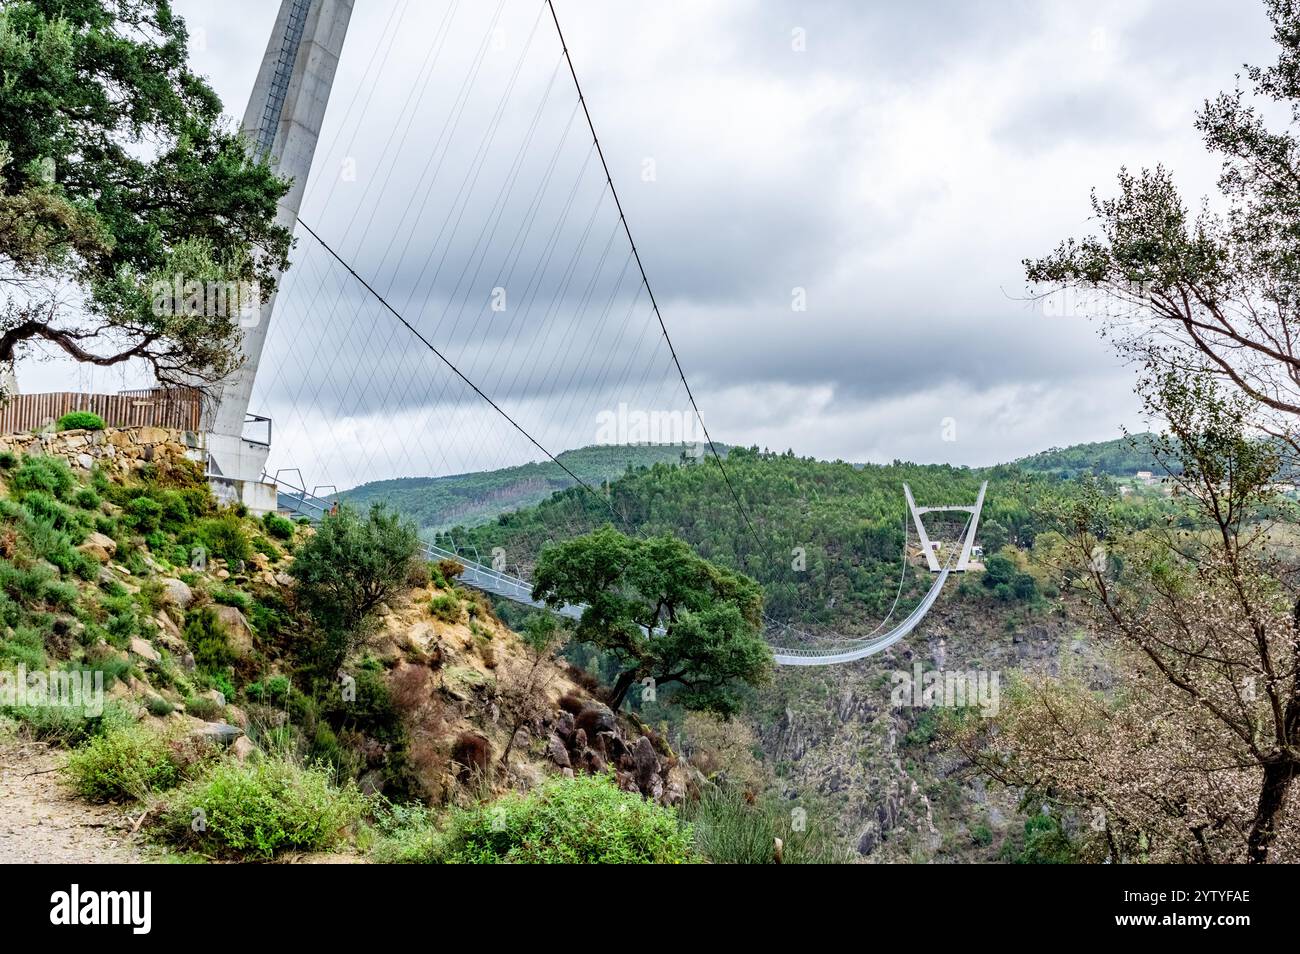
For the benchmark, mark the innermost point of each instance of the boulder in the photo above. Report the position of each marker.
(237, 716)
(219, 732)
(564, 725)
(557, 752)
(243, 748)
(100, 546)
(238, 633)
(177, 592)
(646, 763)
(144, 649)
(596, 717)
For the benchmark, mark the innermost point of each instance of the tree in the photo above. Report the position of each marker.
(1209, 292)
(1193, 754)
(347, 568)
(118, 178)
(1200, 751)
(663, 613)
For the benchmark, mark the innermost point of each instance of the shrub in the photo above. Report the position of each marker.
(407, 834)
(232, 597)
(87, 499)
(202, 707)
(582, 820)
(144, 515)
(728, 829)
(50, 474)
(450, 569)
(445, 607)
(127, 761)
(160, 707)
(80, 421)
(264, 807)
(223, 537)
(473, 754)
(277, 526)
(272, 691)
(25, 647)
(8, 460)
(419, 575)
(207, 640)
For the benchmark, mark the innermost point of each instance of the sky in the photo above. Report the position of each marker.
(831, 199)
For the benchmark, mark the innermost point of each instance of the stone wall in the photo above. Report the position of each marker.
(123, 449)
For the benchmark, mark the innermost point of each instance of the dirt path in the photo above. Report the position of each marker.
(42, 823)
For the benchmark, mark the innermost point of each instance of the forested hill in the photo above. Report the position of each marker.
(847, 521)
(1121, 458)
(437, 503)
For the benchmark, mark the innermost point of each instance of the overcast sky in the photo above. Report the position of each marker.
(895, 161)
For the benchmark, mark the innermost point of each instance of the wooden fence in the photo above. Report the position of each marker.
(177, 408)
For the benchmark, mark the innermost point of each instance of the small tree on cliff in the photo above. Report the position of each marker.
(663, 613)
(346, 569)
(92, 225)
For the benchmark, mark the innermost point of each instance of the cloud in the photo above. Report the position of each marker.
(896, 169)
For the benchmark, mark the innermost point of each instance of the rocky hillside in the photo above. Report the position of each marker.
(115, 560)
(837, 738)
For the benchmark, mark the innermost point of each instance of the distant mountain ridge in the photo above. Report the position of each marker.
(467, 500)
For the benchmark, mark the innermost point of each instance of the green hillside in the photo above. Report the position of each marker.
(846, 521)
(438, 503)
(1121, 457)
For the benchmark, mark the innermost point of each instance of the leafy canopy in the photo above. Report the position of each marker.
(117, 171)
(663, 612)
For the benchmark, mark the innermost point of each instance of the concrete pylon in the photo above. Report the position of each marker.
(282, 124)
(968, 539)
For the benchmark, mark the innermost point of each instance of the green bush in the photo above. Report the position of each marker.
(223, 537)
(582, 820)
(263, 807)
(8, 460)
(86, 499)
(66, 725)
(127, 761)
(207, 640)
(144, 515)
(232, 597)
(201, 707)
(445, 607)
(405, 834)
(80, 421)
(277, 526)
(50, 474)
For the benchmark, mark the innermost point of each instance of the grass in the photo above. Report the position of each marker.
(728, 829)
